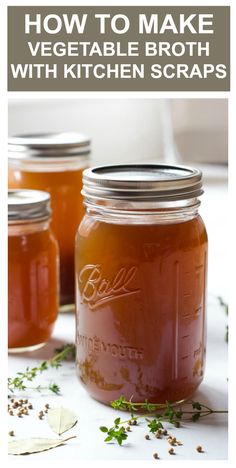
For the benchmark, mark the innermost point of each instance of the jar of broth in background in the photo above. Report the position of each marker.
(141, 265)
(33, 270)
(54, 163)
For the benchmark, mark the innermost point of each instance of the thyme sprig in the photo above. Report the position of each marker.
(225, 308)
(155, 416)
(19, 382)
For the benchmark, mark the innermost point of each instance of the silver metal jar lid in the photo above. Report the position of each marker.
(28, 205)
(144, 182)
(48, 145)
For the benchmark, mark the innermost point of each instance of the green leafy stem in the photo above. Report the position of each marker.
(225, 308)
(159, 414)
(19, 382)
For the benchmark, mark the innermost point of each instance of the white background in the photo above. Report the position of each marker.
(132, 129)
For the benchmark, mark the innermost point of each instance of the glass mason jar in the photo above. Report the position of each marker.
(141, 262)
(54, 163)
(33, 270)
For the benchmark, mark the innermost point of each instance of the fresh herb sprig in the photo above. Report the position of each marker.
(19, 382)
(159, 414)
(225, 308)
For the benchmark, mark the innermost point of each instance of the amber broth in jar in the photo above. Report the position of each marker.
(67, 208)
(54, 163)
(33, 271)
(142, 301)
(33, 288)
(140, 306)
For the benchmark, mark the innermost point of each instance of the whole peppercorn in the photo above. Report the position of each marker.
(40, 415)
(147, 437)
(11, 433)
(156, 456)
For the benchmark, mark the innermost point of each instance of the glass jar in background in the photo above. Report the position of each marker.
(54, 163)
(141, 265)
(33, 270)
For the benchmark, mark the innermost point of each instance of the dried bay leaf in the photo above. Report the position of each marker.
(34, 445)
(61, 419)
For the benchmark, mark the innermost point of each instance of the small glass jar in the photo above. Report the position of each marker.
(141, 265)
(54, 163)
(33, 271)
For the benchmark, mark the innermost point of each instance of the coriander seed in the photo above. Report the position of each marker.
(199, 449)
(171, 451)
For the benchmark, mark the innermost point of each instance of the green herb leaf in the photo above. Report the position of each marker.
(103, 429)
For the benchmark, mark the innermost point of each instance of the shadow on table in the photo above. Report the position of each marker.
(206, 395)
(42, 354)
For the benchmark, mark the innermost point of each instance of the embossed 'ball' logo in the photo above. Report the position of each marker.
(96, 290)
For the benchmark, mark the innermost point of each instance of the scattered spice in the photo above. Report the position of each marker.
(172, 440)
(199, 449)
(156, 456)
(21, 406)
(11, 433)
(147, 437)
(171, 451)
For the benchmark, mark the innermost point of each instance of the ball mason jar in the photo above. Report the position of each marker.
(33, 270)
(54, 163)
(141, 265)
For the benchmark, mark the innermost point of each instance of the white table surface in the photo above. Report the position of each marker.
(210, 432)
